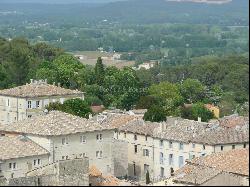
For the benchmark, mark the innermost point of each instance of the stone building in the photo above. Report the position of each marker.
(162, 148)
(18, 155)
(31, 99)
(73, 172)
(68, 137)
(228, 168)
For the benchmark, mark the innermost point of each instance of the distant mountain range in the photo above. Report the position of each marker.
(103, 1)
(204, 1)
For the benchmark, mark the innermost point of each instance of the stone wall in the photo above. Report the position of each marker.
(62, 173)
(3, 181)
(74, 172)
(120, 158)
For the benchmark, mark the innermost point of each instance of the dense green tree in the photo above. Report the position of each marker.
(192, 91)
(170, 95)
(76, 107)
(197, 110)
(155, 114)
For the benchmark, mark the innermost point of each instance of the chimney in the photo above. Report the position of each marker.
(46, 81)
(54, 83)
(175, 122)
(31, 80)
(199, 119)
(59, 84)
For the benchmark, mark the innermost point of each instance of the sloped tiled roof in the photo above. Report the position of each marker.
(233, 161)
(57, 123)
(37, 89)
(223, 136)
(54, 123)
(200, 170)
(19, 146)
(139, 126)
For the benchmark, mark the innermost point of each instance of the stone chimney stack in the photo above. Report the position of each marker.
(31, 81)
(54, 83)
(199, 119)
(46, 81)
(59, 84)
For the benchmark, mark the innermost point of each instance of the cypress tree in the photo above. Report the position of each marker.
(99, 71)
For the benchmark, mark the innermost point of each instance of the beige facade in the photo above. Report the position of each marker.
(169, 146)
(80, 145)
(140, 154)
(18, 167)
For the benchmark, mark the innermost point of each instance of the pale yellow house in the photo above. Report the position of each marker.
(25, 101)
(214, 109)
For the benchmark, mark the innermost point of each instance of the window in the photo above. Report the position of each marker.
(146, 168)
(193, 145)
(135, 137)
(204, 147)
(135, 146)
(37, 162)
(145, 152)
(170, 145)
(245, 145)
(83, 139)
(203, 154)
(99, 137)
(161, 158)
(98, 154)
(221, 148)
(171, 159)
(29, 116)
(161, 143)
(181, 160)
(37, 104)
(146, 138)
(162, 172)
(172, 171)
(181, 146)
(233, 146)
(12, 166)
(83, 155)
(125, 135)
(108, 169)
(29, 104)
(8, 102)
(64, 141)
